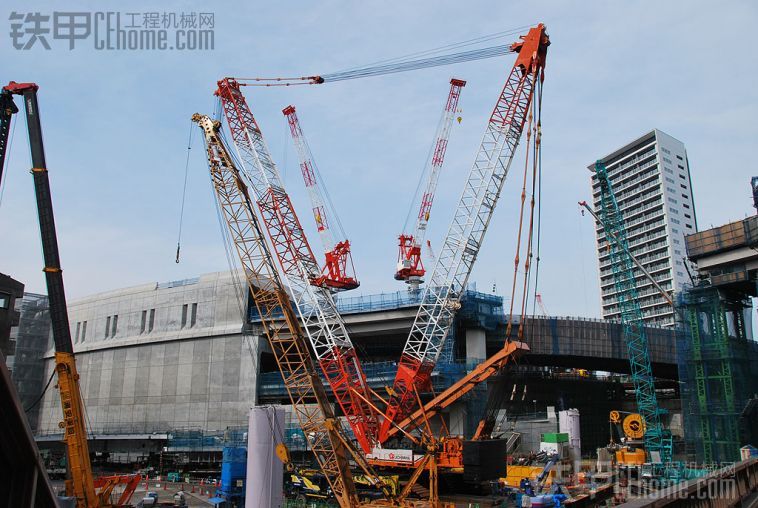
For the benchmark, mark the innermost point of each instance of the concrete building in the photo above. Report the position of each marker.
(651, 180)
(27, 365)
(10, 291)
(169, 368)
(161, 356)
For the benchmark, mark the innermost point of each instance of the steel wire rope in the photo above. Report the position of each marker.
(455, 45)
(539, 201)
(38, 399)
(423, 63)
(184, 191)
(8, 152)
(517, 258)
(536, 147)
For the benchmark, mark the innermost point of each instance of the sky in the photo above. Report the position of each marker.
(117, 125)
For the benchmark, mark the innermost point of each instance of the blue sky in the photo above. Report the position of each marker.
(116, 127)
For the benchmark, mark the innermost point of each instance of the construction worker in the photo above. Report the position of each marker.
(179, 499)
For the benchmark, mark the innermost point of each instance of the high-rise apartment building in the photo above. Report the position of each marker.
(651, 180)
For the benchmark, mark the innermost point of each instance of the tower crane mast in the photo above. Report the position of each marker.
(315, 304)
(338, 272)
(410, 268)
(456, 258)
(309, 400)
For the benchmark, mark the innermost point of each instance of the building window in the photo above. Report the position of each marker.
(683, 186)
(679, 157)
(666, 150)
(114, 329)
(184, 315)
(670, 190)
(78, 329)
(687, 216)
(686, 205)
(689, 226)
(84, 330)
(151, 322)
(675, 221)
(674, 230)
(677, 251)
(193, 318)
(107, 326)
(5, 300)
(680, 274)
(685, 196)
(672, 200)
(669, 180)
(673, 210)
(668, 170)
(680, 167)
(143, 323)
(676, 241)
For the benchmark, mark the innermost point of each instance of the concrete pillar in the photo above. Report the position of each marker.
(265, 472)
(457, 424)
(476, 344)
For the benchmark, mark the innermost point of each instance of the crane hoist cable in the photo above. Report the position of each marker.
(184, 192)
(8, 151)
(409, 62)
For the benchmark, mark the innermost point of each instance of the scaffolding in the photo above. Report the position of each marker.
(718, 370)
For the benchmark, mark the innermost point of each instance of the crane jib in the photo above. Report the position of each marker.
(467, 230)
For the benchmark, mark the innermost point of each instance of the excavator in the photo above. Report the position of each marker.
(81, 484)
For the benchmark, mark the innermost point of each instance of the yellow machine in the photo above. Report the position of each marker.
(631, 452)
(88, 491)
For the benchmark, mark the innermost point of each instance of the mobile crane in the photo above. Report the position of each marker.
(657, 440)
(80, 483)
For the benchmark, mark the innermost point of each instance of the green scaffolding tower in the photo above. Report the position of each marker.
(714, 364)
(657, 440)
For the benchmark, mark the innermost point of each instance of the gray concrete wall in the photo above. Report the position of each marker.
(173, 377)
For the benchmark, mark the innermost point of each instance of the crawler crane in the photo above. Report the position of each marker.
(285, 336)
(657, 440)
(459, 251)
(314, 302)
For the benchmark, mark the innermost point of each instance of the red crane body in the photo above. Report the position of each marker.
(338, 272)
(315, 305)
(410, 268)
(459, 251)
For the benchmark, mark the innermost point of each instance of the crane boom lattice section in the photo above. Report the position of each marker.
(410, 268)
(657, 440)
(309, 401)
(467, 230)
(315, 305)
(338, 273)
